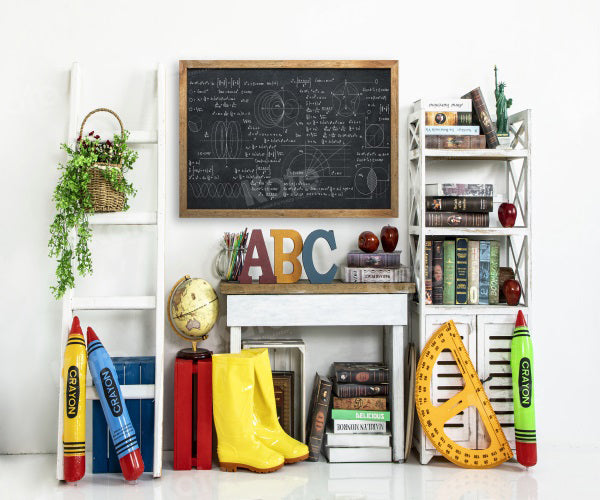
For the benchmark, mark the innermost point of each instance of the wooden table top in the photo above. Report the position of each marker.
(305, 287)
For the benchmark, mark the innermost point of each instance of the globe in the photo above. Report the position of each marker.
(193, 308)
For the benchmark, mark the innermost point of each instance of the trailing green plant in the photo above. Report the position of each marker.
(73, 202)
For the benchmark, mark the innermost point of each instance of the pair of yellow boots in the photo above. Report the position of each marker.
(248, 431)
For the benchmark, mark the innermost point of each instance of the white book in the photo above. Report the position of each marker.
(354, 440)
(473, 272)
(443, 105)
(375, 274)
(358, 427)
(452, 130)
(365, 454)
(459, 190)
(374, 471)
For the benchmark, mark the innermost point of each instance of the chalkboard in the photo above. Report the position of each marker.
(288, 138)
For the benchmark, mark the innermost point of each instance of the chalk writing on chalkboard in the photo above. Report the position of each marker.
(288, 139)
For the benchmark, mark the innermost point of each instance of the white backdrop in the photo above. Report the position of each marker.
(547, 51)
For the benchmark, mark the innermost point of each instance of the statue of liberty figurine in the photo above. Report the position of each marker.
(502, 105)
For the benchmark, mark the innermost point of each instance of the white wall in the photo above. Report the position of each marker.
(547, 51)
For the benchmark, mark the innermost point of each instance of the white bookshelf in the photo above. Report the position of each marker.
(486, 329)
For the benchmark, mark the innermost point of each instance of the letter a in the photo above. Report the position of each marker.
(261, 260)
(278, 235)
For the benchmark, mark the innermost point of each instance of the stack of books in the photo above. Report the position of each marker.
(377, 267)
(358, 424)
(458, 123)
(458, 205)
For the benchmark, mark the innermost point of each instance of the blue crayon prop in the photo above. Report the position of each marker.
(109, 392)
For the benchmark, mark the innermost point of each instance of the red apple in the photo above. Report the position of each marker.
(507, 213)
(389, 238)
(512, 292)
(368, 242)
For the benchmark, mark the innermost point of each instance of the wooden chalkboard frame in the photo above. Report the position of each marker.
(391, 211)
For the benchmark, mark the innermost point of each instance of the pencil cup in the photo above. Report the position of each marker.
(229, 262)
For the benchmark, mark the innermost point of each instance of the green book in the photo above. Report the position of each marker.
(494, 296)
(382, 416)
(449, 255)
(462, 272)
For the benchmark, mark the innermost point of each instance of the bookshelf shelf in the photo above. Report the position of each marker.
(486, 329)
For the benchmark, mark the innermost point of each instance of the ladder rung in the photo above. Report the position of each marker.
(137, 391)
(124, 218)
(135, 136)
(113, 303)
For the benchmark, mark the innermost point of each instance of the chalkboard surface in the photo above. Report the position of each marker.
(304, 140)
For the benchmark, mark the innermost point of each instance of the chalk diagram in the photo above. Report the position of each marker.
(346, 99)
(371, 181)
(194, 126)
(307, 162)
(276, 108)
(225, 139)
(374, 135)
(216, 190)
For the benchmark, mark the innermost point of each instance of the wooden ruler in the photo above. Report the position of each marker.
(433, 417)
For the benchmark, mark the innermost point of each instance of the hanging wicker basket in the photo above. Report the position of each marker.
(104, 197)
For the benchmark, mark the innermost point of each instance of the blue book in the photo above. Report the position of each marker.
(484, 272)
(462, 270)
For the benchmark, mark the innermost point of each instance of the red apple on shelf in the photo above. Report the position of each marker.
(512, 292)
(368, 242)
(389, 238)
(507, 213)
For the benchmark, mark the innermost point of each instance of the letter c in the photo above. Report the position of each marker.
(307, 256)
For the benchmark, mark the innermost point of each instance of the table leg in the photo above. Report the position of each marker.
(235, 339)
(394, 357)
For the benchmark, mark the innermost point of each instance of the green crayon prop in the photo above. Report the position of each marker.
(521, 363)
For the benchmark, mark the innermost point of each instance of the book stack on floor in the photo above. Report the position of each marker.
(377, 267)
(458, 205)
(458, 123)
(358, 428)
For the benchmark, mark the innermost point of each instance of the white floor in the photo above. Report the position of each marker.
(571, 474)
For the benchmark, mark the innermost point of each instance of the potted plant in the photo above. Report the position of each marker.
(92, 180)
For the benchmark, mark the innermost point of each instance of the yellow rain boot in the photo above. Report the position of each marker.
(267, 427)
(233, 395)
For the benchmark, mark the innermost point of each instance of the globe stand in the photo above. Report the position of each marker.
(194, 353)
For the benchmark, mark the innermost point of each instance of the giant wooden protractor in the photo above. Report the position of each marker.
(434, 417)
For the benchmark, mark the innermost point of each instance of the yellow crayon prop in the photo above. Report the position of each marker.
(74, 372)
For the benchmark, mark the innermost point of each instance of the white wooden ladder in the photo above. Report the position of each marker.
(71, 303)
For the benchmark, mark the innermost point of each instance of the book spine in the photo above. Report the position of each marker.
(448, 118)
(428, 271)
(452, 130)
(484, 272)
(373, 275)
(359, 390)
(473, 272)
(380, 260)
(377, 416)
(455, 141)
(357, 427)
(360, 403)
(318, 420)
(443, 105)
(459, 190)
(449, 272)
(482, 115)
(462, 278)
(437, 280)
(362, 376)
(480, 204)
(457, 219)
(494, 293)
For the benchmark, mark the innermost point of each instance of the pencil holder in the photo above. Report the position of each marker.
(229, 262)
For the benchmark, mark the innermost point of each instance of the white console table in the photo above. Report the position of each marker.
(333, 304)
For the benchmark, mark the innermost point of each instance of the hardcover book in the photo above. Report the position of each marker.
(358, 258)
(359, 390)
(457, 219)
(482, 115)
(443, 105)
(459, 190)
(494, 293)
(452, 130)
(462, 278)
(437, 280)
(459, 204)
(360, 403)
(428, 271)
(455, 141)
(378, 416)
(484, 272)
(375, 275)
(358, 455)
(283, 385)
(449, 272)
(473, 263)
(361, 373)
(358, 426)
(448, 118)
(346, 440)
(317, 420)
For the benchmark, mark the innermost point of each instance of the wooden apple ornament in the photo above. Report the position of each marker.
(368, 242)
(389, 238)
(512, 292)
(507, 213)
